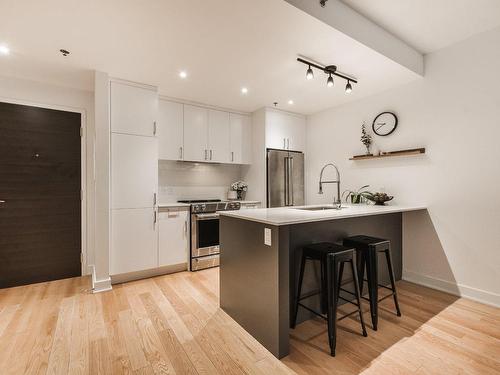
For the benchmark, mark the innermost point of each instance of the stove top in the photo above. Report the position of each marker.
(211, 205)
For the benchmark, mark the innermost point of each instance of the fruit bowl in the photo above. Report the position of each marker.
(379, 198)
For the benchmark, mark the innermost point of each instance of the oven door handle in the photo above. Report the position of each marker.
(206, 216)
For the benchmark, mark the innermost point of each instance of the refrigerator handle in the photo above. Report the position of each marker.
(290, 180)
(286, 180)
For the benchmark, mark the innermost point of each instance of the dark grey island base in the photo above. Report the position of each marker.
(258, 282)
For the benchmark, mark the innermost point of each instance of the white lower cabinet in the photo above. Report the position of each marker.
(173, 244)
(134, 240)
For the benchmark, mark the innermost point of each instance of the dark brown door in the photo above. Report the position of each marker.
(40, 182)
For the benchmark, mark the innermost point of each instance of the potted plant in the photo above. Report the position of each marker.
(366, 139)
(240, 187)
(357, 196)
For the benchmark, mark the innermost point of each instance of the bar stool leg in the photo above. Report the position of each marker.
(299, 291)
(358, 297)
(331, 274)
(339, 280)
(391, 275)
(360, 265)
(323, 289)
(372, 275)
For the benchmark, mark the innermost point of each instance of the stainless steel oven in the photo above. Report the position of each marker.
(205, 232)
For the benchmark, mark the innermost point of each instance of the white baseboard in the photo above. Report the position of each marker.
(131, 276)
(99, 286)
(460, 290)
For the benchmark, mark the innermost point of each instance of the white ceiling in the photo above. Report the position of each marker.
(223, 45)
(429, 25)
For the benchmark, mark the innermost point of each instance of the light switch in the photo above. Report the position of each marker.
(267, 236)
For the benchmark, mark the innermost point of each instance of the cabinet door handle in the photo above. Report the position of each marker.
(154, 199)
(288, 143)
(232, 155)
(284, 143)
(154, 127)
(154, 218)
(206, 154)
(185, 227)
(180, 152)
(210, 154)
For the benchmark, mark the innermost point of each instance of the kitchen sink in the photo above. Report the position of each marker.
(320, 208)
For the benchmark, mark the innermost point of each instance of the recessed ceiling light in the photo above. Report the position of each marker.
(290, 102)
(183, 74)
(4, 50)
(244, 90)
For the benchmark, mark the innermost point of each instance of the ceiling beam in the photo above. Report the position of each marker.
(349, 22)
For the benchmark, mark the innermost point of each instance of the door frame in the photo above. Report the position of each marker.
(83, 166)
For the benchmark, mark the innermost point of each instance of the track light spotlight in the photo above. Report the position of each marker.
(330, 82)
(310, 73)
(348, 87)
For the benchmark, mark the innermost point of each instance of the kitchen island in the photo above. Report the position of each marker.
(260, 252)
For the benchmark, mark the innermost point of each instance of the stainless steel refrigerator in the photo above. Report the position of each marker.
(285, 178)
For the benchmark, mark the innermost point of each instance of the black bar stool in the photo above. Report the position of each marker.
(332, 258)
(367, 250)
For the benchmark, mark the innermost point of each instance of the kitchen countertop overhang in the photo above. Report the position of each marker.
(295, 215)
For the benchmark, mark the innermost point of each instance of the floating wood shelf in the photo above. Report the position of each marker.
(413, 151)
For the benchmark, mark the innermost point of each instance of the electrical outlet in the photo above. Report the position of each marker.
(267, 236)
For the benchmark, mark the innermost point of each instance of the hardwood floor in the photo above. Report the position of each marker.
(172, 324)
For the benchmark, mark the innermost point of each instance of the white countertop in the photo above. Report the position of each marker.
(293, 215)
(173, 205)
(248, 202)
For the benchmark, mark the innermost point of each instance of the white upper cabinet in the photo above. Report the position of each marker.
(133, 109)
(192, 133)
(195, 133)
(285, 131)
(170, 130)
(240, 135)
(134, 171)
(173, 245)
(218, 136)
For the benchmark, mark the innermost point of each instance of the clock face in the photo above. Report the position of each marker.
(385, 123)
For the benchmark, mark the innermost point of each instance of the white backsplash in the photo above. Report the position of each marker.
(186, 180)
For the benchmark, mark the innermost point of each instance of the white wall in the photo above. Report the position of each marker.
(185, 180)
(101, 280)
(455, 113)
(43, 94)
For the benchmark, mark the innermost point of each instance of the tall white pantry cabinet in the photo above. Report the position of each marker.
(134, 178)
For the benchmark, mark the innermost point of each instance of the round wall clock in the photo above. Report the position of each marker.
(385, 123)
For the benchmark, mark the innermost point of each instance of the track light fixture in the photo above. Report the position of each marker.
(331, 70)
(329, 81)
(348, 87)
(310, 73)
